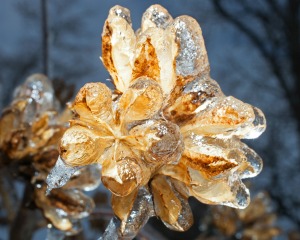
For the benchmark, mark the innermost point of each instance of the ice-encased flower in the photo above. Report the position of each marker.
(167, 127)
(30, 129)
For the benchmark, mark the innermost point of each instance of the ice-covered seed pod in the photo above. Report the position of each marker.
(167, 132)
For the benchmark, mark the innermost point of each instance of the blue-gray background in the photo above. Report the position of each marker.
(236, 63)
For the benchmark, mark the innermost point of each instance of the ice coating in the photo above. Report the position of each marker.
(140, 208)
(167, 132)
(156, 16)
(192, 59)
(59, 175)
(30, 125)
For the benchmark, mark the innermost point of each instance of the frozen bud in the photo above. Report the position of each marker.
(225, 118)
(39, 88)
(155, 55)
(61, 206)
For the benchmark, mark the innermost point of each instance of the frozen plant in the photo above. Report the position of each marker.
(166, 132)
(30, 129)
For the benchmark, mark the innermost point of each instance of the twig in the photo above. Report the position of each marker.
(45, 37)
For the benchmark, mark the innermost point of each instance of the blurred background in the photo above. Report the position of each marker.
(254, 53)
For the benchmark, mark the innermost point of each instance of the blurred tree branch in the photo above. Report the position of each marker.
(276, 36)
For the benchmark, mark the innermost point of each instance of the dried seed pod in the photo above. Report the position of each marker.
(168, 125)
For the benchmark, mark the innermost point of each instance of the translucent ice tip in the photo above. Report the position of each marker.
(59, 175)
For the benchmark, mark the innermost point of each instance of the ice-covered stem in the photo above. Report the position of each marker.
(139, 215)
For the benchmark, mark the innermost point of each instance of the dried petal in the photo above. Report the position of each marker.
(167, 206)
(63, 205)
(118, 45)
(225, 118)
(141, 101)
(214, 156)
(155, 56)
(122, 206)
(146, 62)
(193, 97)
(228, 190)
(192, 59)
(170, 205)
(97, 97)
(121, 172)
(80, 146)
(210, 159)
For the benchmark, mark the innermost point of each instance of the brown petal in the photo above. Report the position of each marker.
(155, 57)
(213, 156)
(121, 171)
(141, 101)
(122, 205)
(226, 190)
(63, 205)
(227, 117)
(118, 45)
(167, 205)
(210, 159)
(97, 98)
(80, 146)
(191, 98)
(122, 177)
(146, 63)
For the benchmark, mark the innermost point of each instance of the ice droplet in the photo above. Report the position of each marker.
(59, 175)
